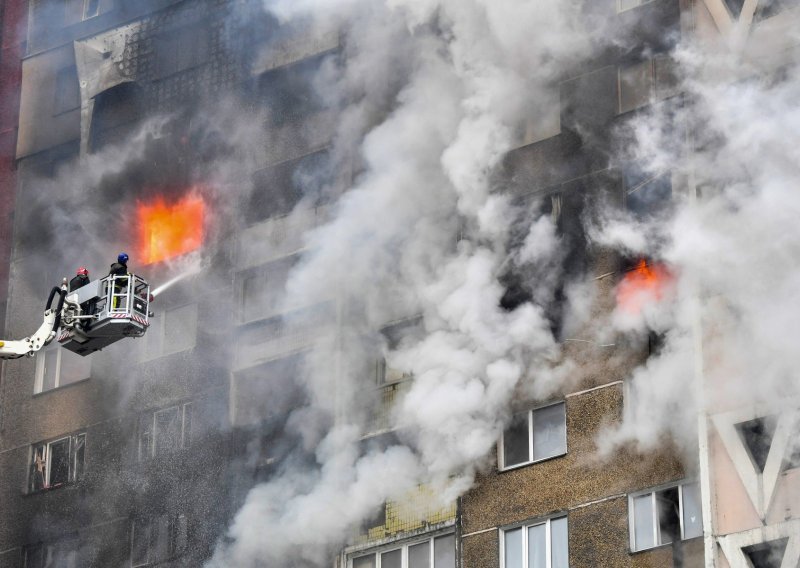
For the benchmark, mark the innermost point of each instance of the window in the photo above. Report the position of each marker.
(171, 331)
(57, 367)
(543, 120)
(768, 8)
(642, 83)
(534, 435)
(757, 437)
(165, 431)
(663, 516)
(623, 5)
(540, 545)
(766, 554)
(396, 336)
(263, 289)
(157, 539)
(57, 555)
(57, 463)
(67, 91)
(430, 553)
(182, 49)
(90, 8)
(735, 7)
(646, 194)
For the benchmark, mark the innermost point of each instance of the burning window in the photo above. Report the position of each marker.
(661, 517)
(646, 283)
(168, 230)
(534, 435)
(57, 463)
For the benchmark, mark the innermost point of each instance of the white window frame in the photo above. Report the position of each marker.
(501, 453)
(72, 458)
(525, 527)
(86, 4)
(403, 548)
(184, 410)
(38, 383)
(654, 505)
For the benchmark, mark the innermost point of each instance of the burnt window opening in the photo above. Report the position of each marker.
(655, 342)
(757, 437)
(766, 554)
(117, 114)
(395, 336)
(57, 463)
(278, 189)
(289, 93)
(768, 8)
(182, 49)
(67, 91)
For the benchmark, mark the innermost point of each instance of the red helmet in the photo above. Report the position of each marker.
(82, 271)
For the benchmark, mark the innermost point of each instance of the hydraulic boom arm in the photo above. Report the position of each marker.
(45, 333)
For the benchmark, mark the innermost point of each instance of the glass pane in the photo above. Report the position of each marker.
(537, 546)
(180, 328)
(73, 368)
(516, 441)
(59, 462)
(444, 552)
(168, 431)
(513, 549)
(393, 559)
(692, 512)
(549, 432)
(643, 522)
(635, 86)
(559, 541)
(364, 562)
(50, 362)
(669, 521)
(79, 453)
(140, 542)
(419, 555)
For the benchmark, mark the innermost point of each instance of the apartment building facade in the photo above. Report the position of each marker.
(141, 455)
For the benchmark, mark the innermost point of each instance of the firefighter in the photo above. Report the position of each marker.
(80, 279)
(119, 268)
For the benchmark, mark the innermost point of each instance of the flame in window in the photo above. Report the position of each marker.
(167, 230)
(645, 284)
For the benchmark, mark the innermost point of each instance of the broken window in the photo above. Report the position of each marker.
(57, 463)
(57, 367)
(540, 545)
(117, 114)
(182, 49)
(757, 437)
(165, 431)
(534, 435)
(67, 93)
(429, 553)
(664, 516)
(158, 538)
(62, 554)
(766, 554)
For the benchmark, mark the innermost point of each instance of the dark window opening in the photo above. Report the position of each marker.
(289, 93)
(768, 8)
(117, 114)
(67, 91)
(767, 554)
(757, 437)
(646, 194)
(735, 7)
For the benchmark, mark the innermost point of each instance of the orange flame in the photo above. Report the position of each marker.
(169, 230)
(647, 283)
